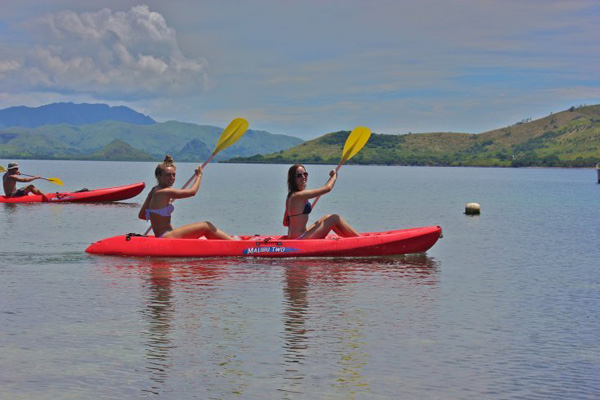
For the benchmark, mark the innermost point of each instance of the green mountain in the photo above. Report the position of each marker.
(118, 150)
(184, 141)
(569, 138)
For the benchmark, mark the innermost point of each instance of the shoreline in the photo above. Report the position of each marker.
(594, 167)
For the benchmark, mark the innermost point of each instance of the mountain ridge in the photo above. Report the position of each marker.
(69, 113)
(570, 138)
(181, 140)
(99, 131)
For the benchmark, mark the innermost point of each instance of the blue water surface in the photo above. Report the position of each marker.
(505, 305)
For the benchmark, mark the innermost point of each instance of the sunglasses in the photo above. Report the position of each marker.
(302, 174)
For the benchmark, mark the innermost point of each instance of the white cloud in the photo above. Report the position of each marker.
(305, 68)
(131, 54)
(8, 66)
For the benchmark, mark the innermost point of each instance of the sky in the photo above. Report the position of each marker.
(306, 68)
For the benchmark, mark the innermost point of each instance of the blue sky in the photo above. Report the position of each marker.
(306, 68)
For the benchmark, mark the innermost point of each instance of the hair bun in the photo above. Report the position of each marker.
(167, 163)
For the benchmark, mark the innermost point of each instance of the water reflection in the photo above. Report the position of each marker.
(329, 278)
(324, 323)
(106, 204)
(10, 218)
(161, 280)
(159, 313)
(296, 293)
(10, 207)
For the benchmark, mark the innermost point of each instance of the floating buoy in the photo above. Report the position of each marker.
(472, 209)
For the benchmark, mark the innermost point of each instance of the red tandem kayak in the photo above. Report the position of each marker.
(404, 241)
(89, 196)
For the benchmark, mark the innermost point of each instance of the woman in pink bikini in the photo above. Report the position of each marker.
(297, 208)
(158, 206)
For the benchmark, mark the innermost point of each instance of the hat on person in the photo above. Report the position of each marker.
(13, 165)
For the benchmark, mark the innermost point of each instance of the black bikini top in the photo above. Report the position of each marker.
(307, 210)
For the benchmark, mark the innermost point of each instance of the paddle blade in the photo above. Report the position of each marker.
(2, 169)
(355, 142)
(231, 134)
(55, 180)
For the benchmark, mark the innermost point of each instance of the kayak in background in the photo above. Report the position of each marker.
(404, 241)
(84, 196)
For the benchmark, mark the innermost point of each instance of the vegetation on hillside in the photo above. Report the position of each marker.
(569, 138)
(184, 141)
(117, 150)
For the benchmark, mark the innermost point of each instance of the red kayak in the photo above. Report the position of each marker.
(88, 196)
(404, 241)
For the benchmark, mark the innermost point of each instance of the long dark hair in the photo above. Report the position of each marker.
(292, 181)
(168, 162)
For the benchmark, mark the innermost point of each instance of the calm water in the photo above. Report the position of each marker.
(505, 305)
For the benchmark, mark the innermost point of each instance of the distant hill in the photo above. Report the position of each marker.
(117, 150)
(69, 113)
(570, 138)
(184, 141)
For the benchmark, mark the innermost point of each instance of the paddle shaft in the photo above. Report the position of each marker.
(336, 171)
(193, 176)
(355, 142)
(2, 169)
(32, 176)
(53, 179)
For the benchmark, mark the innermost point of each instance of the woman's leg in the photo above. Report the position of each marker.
(343, 228)
(329, 222)
(196, 230)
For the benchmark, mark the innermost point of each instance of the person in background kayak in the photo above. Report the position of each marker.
(297, 208)
(10, 179)
(158, 206)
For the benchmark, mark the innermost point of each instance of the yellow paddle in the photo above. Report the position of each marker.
(53, 180)
(230, 135)
(355, 142)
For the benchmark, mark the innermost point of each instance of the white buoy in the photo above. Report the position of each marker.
(472, 209)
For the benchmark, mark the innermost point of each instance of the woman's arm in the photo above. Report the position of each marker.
(184, 193)
(304, 195)
(142, 214)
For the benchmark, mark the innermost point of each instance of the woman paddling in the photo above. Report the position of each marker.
(297, 208)
(158, 206)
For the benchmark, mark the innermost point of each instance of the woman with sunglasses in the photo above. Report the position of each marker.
(158, 206)
(297, 208)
